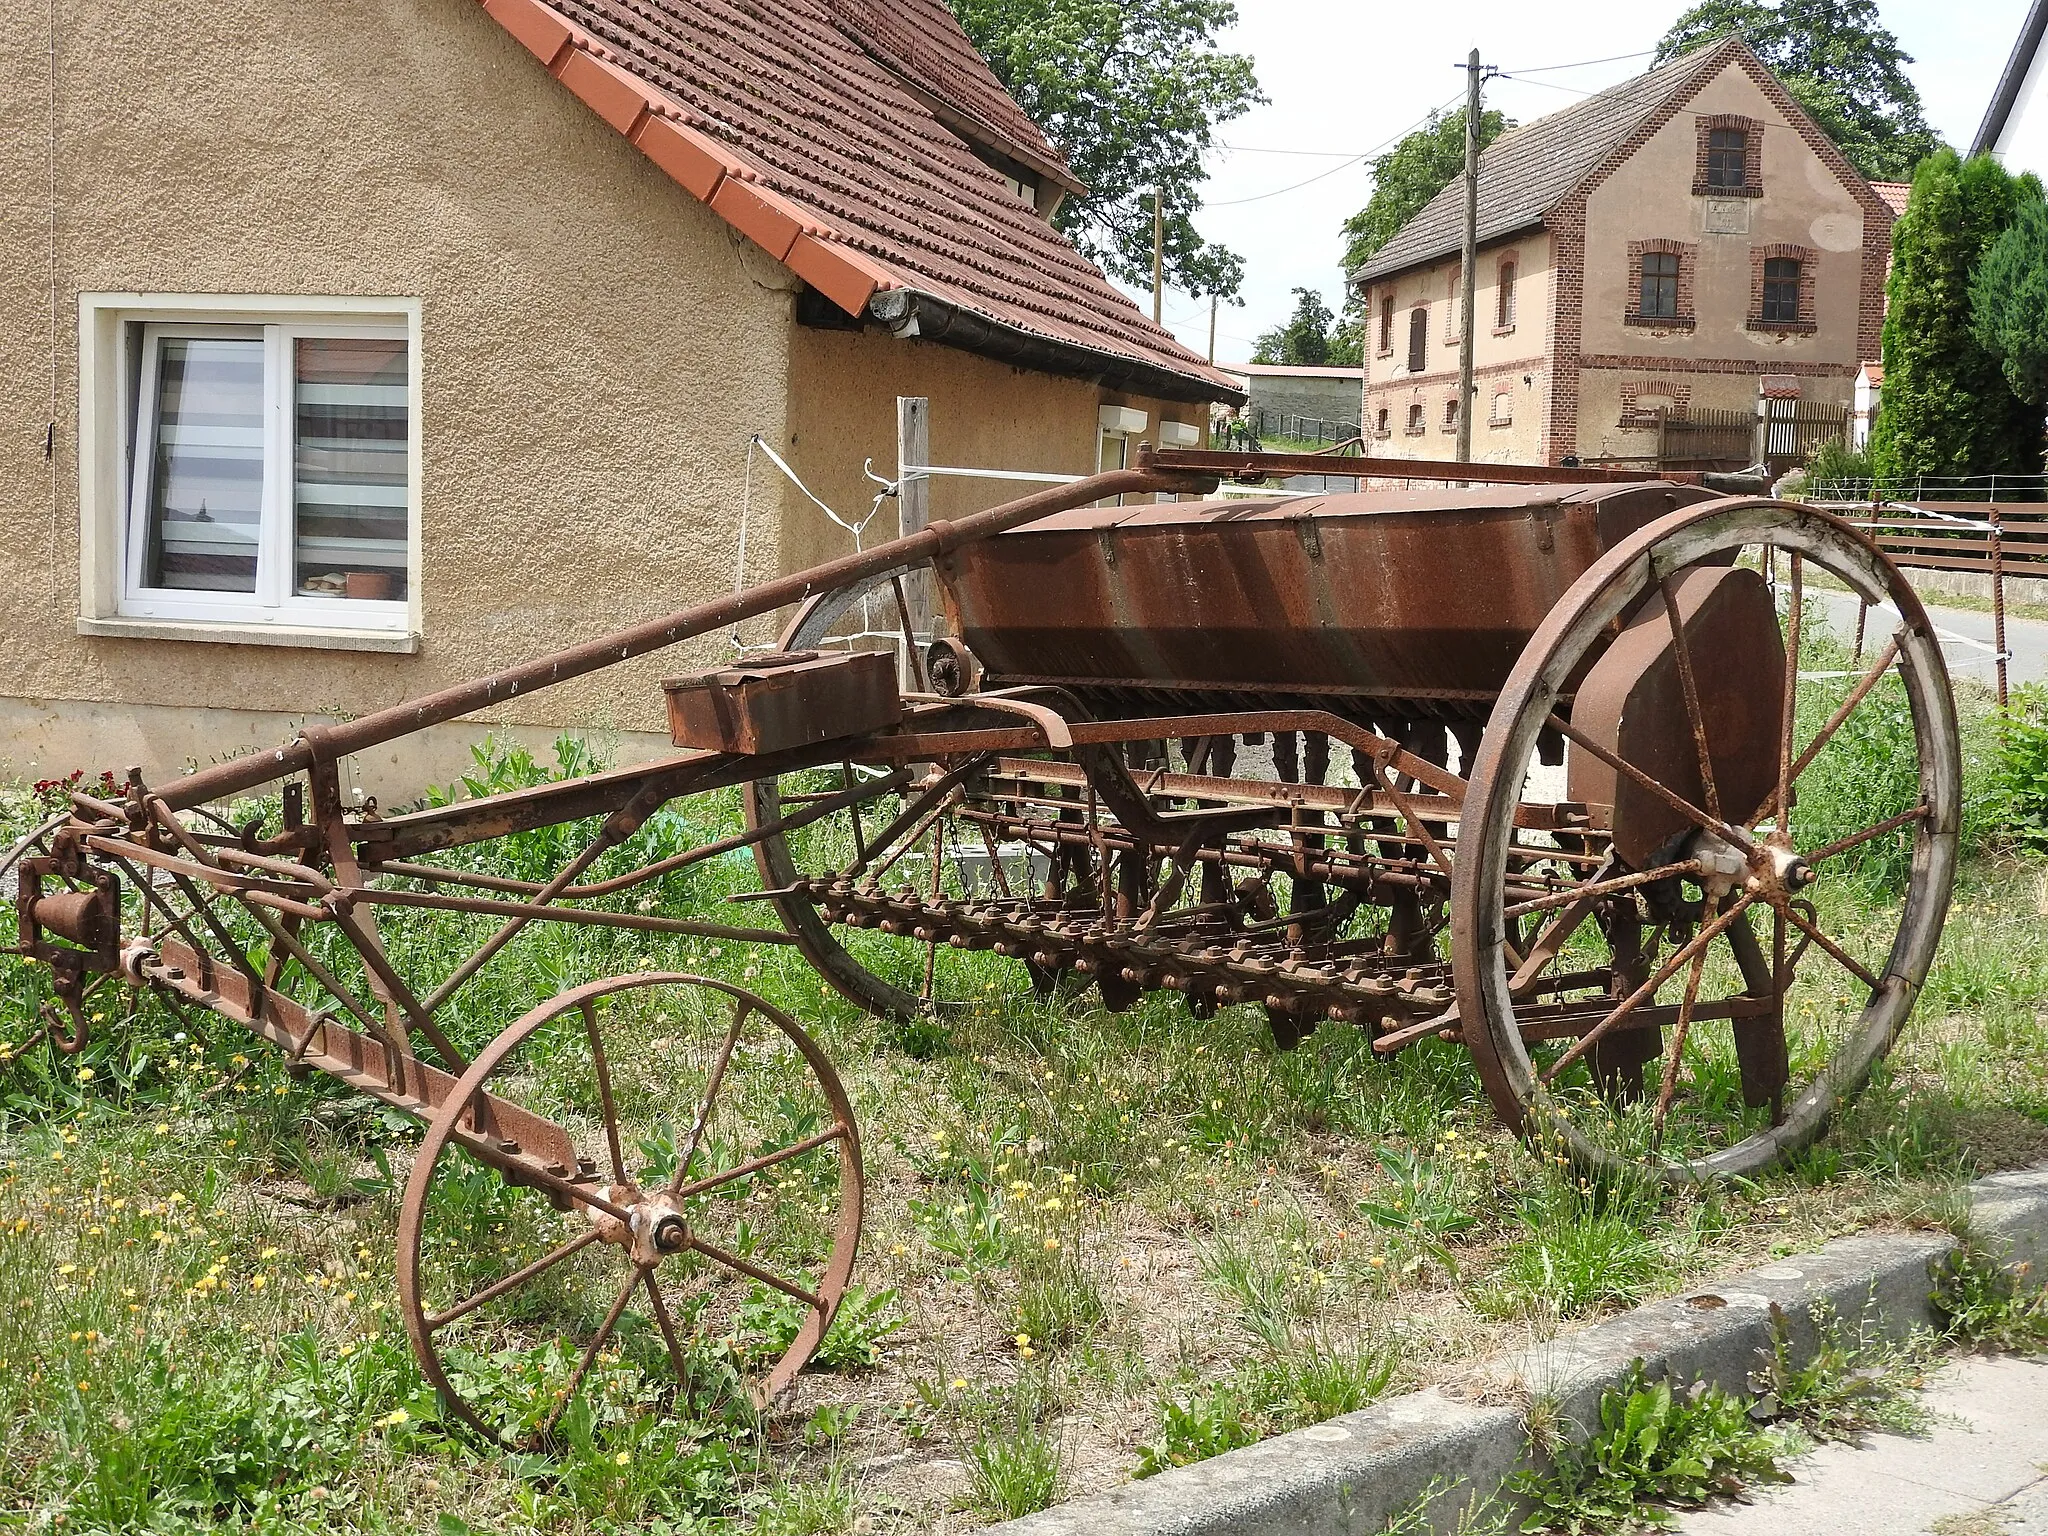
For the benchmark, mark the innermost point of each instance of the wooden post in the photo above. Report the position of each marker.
(1469, 277)
(914, 510)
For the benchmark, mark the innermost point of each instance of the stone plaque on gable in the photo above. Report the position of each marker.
(1727, 215)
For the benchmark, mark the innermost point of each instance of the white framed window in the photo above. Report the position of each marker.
(251, 471)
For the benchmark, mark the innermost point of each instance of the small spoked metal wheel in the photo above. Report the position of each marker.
(1702, 952)
(646, 1190)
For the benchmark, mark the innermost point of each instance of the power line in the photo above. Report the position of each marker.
(1549, 69)
(1387, 143)
(1328, 154)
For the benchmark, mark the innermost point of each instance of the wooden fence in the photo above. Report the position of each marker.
(1992, 539)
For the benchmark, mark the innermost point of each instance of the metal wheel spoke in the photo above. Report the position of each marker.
(1782, 801)
(753, 1271)
(1841, 956)
(604, 1331)
(1856, 839)
(667, 1325)
(1697, 944)
(1685, 808)
(1690, 687)
(1669, 1086)
(1843, 711)
(604, 1090)
(512, 1282)
(1602, 887)
(754, 1165)
(712, 1083)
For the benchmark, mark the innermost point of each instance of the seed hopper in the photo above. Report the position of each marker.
(1513, 765)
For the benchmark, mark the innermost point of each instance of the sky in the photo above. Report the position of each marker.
(1347, 78)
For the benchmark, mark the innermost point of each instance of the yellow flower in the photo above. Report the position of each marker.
(959, 1384)
(86, 1074)
(623, 1458)
(1023, 1341)
(163, 1128)
(1052, 1245)
(395, 1416)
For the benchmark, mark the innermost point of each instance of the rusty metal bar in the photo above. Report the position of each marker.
(1244, 467)
(244, 773)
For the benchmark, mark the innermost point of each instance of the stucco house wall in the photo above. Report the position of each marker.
(593, 349)
(1504, 357)
(594, 346)
(1714, 363)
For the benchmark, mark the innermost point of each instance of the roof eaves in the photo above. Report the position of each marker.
(1379, 267)
(824, 256)
(2013, 80)
(915, 312)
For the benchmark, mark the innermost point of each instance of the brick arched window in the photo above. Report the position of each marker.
(1504, 296)
(1418, 338)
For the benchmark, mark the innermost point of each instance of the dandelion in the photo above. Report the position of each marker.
(86, 1074)
(959, 1384)
(395, 1417)
(1052, 1245)
(622, 1459)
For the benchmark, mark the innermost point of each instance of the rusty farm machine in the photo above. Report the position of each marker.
(1513, 764)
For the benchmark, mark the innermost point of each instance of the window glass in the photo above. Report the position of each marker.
(350, 496)
(1727, 157)
(1781, 290)
(1660, 286)
(1504, 308)
(1418, 339)
(204, 514)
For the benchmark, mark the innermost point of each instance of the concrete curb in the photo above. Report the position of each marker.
(1352, 1475)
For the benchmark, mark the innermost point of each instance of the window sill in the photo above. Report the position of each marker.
(1784, 327)
(1503, 330)
(1702, 189)
(297, 636)
(1507, 423)
(1416, 432)
(1659, 322)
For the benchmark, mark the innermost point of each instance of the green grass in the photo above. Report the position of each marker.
(1088, 1233)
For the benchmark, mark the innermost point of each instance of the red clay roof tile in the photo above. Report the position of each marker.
(816, 135)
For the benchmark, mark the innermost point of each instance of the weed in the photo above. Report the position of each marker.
(1983, 1303)
(1847, 1386)
(1016, 1471)
(1194, 1429)
(1655, 1447)
(854, 1341)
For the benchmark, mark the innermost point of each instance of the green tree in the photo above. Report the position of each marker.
(1947, 409)
(1407, 176)
(2009, 303)
(1132, 92)
(1304, 341)
(1839, 63)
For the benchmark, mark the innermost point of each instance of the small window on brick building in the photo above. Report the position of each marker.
(1451, 414)
(1418, 337)
(1727, 158)
(1781, 291)
(1503, 408)
(1380, 428)
(1415, 421)
(1504, 298)
(1387, 323)
(1660, 286)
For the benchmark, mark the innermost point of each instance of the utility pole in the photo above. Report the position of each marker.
(1158, 253)
(1468, 282)
(1212, 327)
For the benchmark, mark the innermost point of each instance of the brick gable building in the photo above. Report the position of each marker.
(1657, 250)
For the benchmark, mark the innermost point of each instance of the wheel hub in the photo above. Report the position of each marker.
(1778, 873)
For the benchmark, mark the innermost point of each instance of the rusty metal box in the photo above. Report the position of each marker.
(790, 699)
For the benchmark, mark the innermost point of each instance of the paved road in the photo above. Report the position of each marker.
(1980, 1470)
(1966, 638)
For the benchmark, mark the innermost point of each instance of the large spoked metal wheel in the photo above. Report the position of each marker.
(888, 976)
(1621, 1007)
(646, 1188)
